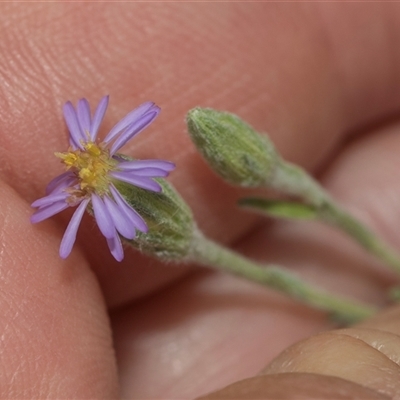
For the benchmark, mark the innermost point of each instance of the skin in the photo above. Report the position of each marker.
(322, 78)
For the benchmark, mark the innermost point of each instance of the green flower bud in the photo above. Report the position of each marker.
(233, 149)
(169, 219)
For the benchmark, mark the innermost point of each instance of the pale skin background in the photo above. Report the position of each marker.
(322, 78)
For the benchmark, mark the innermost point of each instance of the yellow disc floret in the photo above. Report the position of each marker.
(91, 167)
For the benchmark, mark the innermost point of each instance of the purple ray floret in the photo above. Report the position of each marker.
(90, 178)
(75, 131)
(98, 117)
(84, 117)
(60, 182)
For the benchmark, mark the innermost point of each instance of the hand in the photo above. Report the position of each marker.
(322, 79)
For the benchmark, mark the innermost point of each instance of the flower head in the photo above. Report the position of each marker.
(93, 168)
(232, 148)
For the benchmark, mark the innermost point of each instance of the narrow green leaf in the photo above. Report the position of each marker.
(279, 208)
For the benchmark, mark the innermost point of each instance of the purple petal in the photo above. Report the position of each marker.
(103, 217)
(71, 182)
(98, 117)
(48, 211)
(121, 222)
(132, 117)
(76, 135)
(142, 182)
(69, 237)
(159, 164)
(117, 157)
(84, 118)
(115, 246)
(149, 172)
(137, 221)
(133, 129)
(60, 182)
(50, 199)
(72, 144)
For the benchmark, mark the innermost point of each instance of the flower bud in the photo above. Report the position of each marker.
(233, 149)
(169, 219)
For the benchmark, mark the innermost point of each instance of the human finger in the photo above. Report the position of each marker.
(44, 64)
(55, 333)
(244, 326)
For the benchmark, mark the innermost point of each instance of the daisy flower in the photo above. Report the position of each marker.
(92, 168)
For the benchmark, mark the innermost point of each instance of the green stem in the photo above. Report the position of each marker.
(210, 254)
(293, 180)
(334, 216)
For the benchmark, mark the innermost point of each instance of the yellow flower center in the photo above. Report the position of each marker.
(91, 167)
